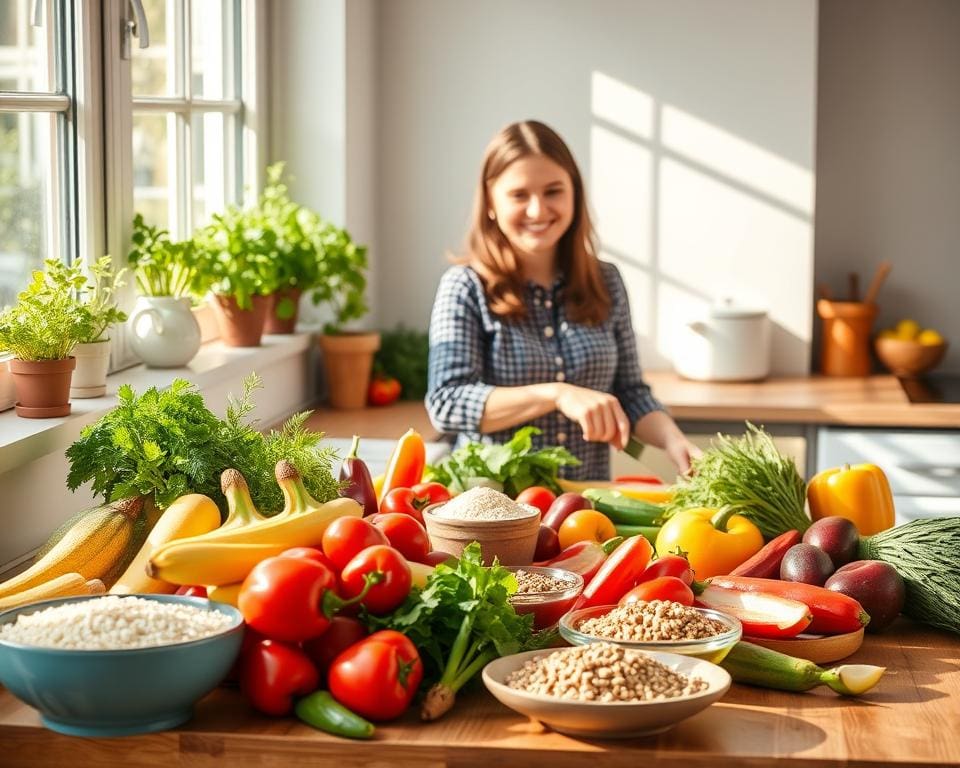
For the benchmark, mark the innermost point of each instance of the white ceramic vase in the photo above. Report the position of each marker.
(90, 375)
(163, 331)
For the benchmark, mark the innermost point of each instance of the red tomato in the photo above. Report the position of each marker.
(377, 677)
(661, 588)
(272, 673)
(430, 493)
(389, 572)
(347, 536)
(310, 553)
(192, 591)
(402, 501)
(383, 390)
(537, 496)
(669, 565)
(405, 534)
(343, 632)
(437, 557)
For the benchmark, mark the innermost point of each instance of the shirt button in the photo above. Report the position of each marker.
(563, 326)
(536, 301)
(558, 360)
(561, 437)
(548, 304)
(561, 376)
(548, 332)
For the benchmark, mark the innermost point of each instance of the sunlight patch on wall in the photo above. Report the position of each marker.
(740, 160)
(621, 105)
(620, 193)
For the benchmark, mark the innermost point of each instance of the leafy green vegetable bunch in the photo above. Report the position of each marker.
(166, 443)
(460, 621)
(513, 466)
(749, 474)
(342, 278)
(161, 266)
(404, 354)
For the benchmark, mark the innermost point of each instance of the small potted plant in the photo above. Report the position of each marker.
(100, 303)
(40, 331)
(347, 356)
(235, 263)
(163, 331)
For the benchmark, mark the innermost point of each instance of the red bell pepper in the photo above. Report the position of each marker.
(617, 576)
(766, 563)
(762, 615)
(292, 596)
(583, 557)
(405, 468)
(833, 612)
(668, 588)
(343, 632)
(389, 573)
(272, 673)
(377, 677)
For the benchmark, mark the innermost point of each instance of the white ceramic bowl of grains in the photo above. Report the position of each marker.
(602, 690)
(505, 530)
(657, 625)
(114, 666)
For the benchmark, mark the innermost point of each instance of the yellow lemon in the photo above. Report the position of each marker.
(929, 337)
(908, 329)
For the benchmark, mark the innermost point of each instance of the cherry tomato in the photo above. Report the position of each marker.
(347, 536)
(431, 493)
(392, 571)
(661, 588)
(343, 632)
(585, 525)
(410, 501)
(383, 390)
(404, 533)
(669, 565)
(537, 496)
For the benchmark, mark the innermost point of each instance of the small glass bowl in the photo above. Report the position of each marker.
(547, 607)
(713, 649)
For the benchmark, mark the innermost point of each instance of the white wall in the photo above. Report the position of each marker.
(888, 165)
(693, 122)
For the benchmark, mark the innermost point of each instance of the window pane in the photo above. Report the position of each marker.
(25, 215)
(210, 49)
(150, 68)
(152, 194)
(209, 165)
(23, 48)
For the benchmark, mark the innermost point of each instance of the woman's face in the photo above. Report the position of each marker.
(532, 201)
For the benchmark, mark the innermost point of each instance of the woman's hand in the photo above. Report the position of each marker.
(681, 452)
(659, 430)
(599, 414)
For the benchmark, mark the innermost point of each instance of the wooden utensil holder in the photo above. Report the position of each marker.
(847, 326)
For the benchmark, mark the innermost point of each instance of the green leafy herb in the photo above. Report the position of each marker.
(403, 354)
(168, 443)
(161, 266)
(460, 621)
(514, 465)
(749, 474)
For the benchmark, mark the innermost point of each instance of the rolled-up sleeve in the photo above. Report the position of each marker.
(456, 392)
(628, 385)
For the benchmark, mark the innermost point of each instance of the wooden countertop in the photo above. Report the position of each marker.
(909, 719)
(875, 401)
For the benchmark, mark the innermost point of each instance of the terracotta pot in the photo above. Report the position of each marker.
(90, 376)
(283, 307)
(348, 364)
(846, 337)
(511, 541)
(240, 327)
(43, 387)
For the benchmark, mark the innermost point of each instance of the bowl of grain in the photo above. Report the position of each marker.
(657, 625)
(546, 592)
(603, 690)
(115, 666)
(504, 529)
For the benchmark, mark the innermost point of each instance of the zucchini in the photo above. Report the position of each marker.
(649, 532)
(754, 665)
(622, 509)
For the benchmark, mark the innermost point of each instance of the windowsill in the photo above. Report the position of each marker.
(23, 440)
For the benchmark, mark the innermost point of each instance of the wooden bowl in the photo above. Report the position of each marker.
(820, 649)
(907, 358)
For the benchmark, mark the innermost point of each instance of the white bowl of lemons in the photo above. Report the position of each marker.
(908, 350)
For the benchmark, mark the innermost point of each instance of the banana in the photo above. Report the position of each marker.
(92, 547)
(205, 562)
(225, 593)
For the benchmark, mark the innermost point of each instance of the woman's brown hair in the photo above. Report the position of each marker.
(489, 252)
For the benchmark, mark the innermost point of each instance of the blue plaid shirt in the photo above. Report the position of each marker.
(472, 351)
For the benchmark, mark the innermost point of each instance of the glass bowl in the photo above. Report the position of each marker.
(547, 607)
(713, 649)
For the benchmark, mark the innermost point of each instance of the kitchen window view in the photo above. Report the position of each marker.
(408, 382)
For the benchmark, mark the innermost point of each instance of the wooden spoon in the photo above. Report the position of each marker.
(881, 274)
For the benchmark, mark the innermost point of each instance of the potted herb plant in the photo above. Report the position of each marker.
(40, 331)
(100, 304)
(163, 331)
(235, 262)
(347, 356)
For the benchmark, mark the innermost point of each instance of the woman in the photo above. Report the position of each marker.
(531, 327)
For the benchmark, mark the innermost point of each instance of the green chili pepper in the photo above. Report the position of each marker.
(325, 713)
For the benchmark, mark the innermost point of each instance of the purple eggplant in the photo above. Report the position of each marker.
(359, 484)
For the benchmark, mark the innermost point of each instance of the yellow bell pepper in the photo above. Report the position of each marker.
(715, 541)
(860, 493)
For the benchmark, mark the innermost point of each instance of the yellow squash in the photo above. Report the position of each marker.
(858, 492)
(657, 494)
(189, 515)
(67, 585)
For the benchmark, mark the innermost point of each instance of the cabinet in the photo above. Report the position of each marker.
(923, 466)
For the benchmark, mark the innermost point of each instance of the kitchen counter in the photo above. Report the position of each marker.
(909, 719)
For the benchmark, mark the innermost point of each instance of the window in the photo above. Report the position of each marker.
(37, 139)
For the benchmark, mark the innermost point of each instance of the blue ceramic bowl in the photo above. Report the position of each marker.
(118, 693)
